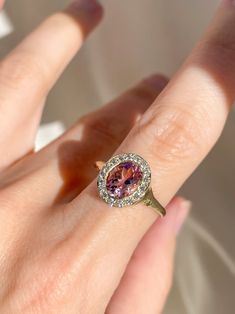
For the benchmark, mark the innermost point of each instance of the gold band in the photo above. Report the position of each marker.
(150, 200)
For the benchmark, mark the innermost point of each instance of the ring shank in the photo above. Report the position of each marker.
(150, 200)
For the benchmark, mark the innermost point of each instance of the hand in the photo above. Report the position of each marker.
(62, 249)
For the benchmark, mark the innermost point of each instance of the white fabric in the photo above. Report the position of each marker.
(47, 133)
(5, 25)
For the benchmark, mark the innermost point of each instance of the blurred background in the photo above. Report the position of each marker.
(135, 39)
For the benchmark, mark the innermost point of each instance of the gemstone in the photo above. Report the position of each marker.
(124, 179)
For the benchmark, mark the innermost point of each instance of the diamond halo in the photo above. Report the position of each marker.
(142, 188)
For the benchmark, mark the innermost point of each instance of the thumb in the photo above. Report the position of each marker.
(147, 279)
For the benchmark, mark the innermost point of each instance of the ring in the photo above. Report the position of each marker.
(125, 180)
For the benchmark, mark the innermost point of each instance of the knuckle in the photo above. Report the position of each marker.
(105, 129)
(219, 51)
(225, 44)
(144, 93)
(175, 134)
(23, 70)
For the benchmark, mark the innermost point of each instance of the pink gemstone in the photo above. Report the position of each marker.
(123, 180)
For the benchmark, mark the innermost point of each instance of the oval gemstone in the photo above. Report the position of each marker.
(123, 180)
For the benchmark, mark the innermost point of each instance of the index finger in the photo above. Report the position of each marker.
(29, 72)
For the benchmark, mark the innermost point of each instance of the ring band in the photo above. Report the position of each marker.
(125, 180)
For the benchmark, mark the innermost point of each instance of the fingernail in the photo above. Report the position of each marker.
(229, 2)
(89, 6)
(1, 3)
(184, 207)
(156, 81)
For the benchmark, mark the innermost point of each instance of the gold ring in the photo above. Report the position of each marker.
(125, 180)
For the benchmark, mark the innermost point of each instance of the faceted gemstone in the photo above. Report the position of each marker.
(123, 180)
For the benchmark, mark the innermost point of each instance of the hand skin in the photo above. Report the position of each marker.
(62, 250)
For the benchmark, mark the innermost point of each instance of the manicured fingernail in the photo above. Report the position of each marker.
(88, 6)
(87, 13)
(1, 3)
(156, 81)
(229, 2)
(184, 207)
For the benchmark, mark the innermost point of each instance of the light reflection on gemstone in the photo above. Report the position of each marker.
(123, 180)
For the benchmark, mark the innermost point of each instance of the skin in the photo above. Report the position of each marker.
(62, 250)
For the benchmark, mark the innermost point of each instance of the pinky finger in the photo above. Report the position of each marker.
(147, 280)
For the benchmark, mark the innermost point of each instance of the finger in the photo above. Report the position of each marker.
(31, 69)
(1, 4)
(103, 131)
(66, 166)
(181, 127)
(40, 176)
(147, 279)
(174, 135)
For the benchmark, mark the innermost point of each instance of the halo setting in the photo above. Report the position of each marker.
(124, 180)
